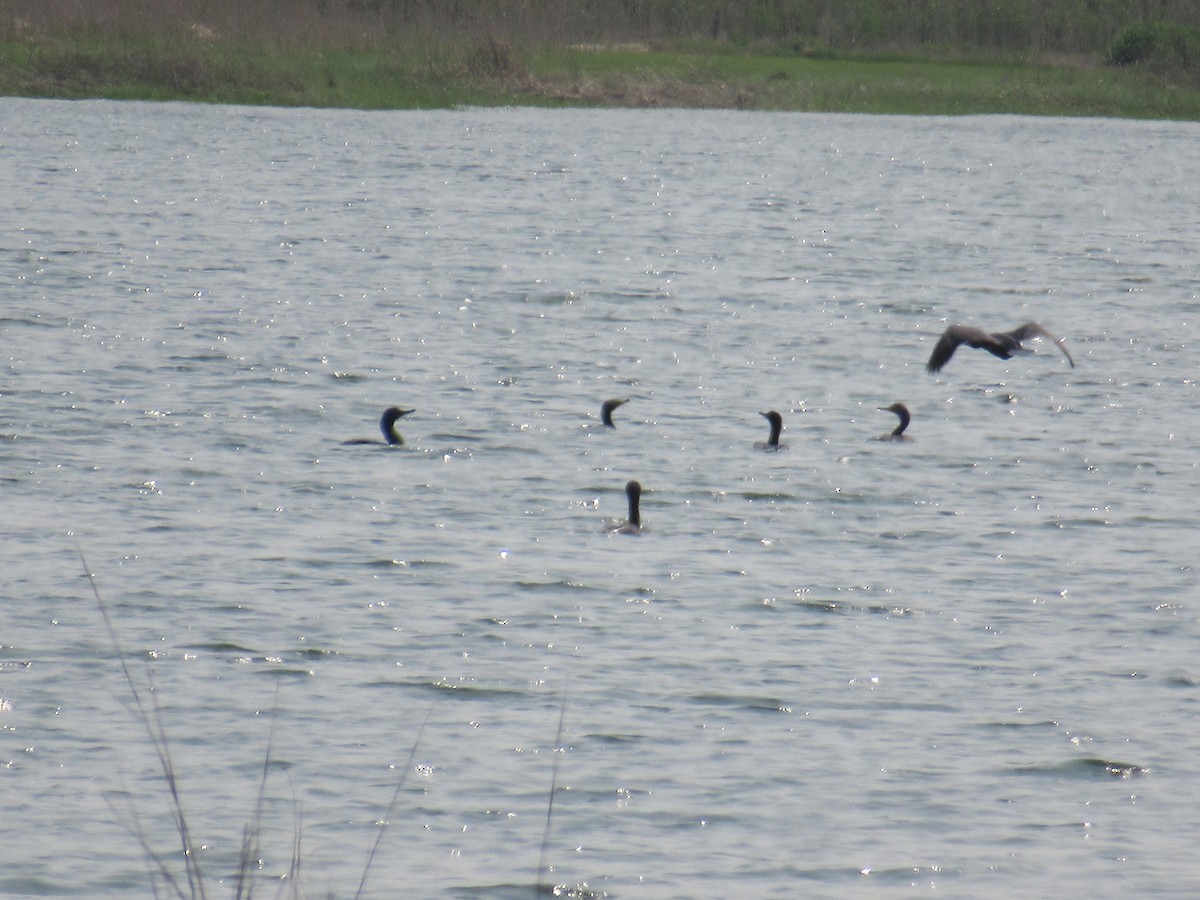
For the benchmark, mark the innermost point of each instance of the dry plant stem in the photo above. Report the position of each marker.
(152, 721)
(293, 874)
(387, 816)
(159, 868)
(250, 831)
(562, 715)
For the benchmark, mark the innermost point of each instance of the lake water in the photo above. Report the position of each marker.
(963, 665)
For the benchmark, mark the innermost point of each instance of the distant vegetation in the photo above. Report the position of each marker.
(444, 52)
(1173, 50)
(1075, 27)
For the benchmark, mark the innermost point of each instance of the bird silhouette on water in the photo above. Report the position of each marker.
(632, 525)
(897, 434)
(772, 443)
(998, 343)
(606, 411)
(387, 424)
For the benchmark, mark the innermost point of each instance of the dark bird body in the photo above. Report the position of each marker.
(387, 424)
(897, 434)
(632, 525)
(772, 443)
(998, 343)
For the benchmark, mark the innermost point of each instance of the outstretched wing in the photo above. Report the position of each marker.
(1034, 329)
(949, 341)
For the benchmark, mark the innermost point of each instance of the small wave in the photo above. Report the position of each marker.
(904, 874)
(407, 563)
(580, 891)
(837, 606)
(446, 688)
(831, 606)
(1088, 767)
(224, 647)
(762, 704)
(32, 323)
(314, 652)
(1044, 723)
(1187, 681)
(767, 495)
(275, 672)
(615, 738)
(183, 363)
(553, 587)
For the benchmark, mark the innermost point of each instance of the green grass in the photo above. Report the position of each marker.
(180, 69)
(885, 84)
(488, 72)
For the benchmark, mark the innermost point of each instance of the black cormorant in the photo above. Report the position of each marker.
(998, 343)
(772, 443)
(897, 434)
(387, 424)
(632, 525)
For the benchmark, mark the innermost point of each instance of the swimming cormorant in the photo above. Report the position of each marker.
(897, 434)
(998, 343)
(387, 424)
(772, 443)
(632, 525)
(606, 411)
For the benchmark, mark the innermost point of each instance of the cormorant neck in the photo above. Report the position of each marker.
(606, 411)
(388, 425)
(776, 428)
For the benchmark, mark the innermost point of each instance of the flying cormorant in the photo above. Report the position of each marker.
(998, 343)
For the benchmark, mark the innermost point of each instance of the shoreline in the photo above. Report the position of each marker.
(490, 73)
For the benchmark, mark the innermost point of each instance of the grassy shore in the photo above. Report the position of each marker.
(385, 61)
(860, 83)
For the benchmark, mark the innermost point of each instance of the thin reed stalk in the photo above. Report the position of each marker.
(557, 753)
(151, 719)
(243, 880)
(191, 885)
(391, 807)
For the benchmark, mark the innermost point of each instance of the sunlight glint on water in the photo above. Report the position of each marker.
(966, 663)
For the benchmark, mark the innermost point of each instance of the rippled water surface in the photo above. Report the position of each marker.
(966, 664)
